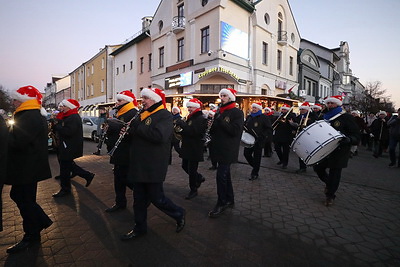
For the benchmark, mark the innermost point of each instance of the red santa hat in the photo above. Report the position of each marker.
(127, 96)
(177, 109)
(257, 105)
(305, 106)
(70, 103)
(337, 99)
(156, 94)
(317, 105)
(194, 103)
(230, 92)
(285, 107)
(382, 112)
(29, 92)
(356, 112)
(267, 109)
(213, 106)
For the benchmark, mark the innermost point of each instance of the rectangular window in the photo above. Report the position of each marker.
(92, 68)
(131, 64)
(141, 64)
(117, 71)
(102, 86)
(264, 53)
(88, 91)
(150, 63)
(102, 63)
(92, 89)
(181, 44)
(123, 68)
(205, 40)
(279, 60)
(291, 66)
(88, 72)
(161, 57)
(181, 11)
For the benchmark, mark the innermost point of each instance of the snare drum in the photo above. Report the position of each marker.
(247, 140)
(316, 142)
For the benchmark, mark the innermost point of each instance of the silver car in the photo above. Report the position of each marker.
(89, 125)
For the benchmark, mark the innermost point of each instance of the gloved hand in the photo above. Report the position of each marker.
(371, 135)
(345, 141)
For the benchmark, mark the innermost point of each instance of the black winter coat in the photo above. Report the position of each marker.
(150, 147)
(259, 127)
(3, 161)
(226, 132)
(70, 133)
(27, 160)
(284, 131)
(121, 154)
(193, 131)
(380, 130)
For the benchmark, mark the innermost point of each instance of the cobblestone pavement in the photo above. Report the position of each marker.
(278, 220)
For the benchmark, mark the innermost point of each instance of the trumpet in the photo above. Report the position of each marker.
(207, 136)
(178, 129)
(303, 123)
(280, 118)
(121, 136)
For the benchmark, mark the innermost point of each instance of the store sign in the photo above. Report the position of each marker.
(183, 79)
(219, 69)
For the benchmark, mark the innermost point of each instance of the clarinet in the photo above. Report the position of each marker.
(121, 136)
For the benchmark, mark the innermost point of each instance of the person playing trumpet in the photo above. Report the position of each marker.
(192, 150)
(125, 110)
(175, 143)
(284, 127)
(259, 126)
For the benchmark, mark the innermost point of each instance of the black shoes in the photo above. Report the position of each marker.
(62, 193)
(301, 170)
(329, 201)
(279, 163)
(219, 209)
(181, 223)
(284, 167)
(191, 195)
(89, 180)
(96, 153)
(200, 181)
(133, 234)
(253, 177)
(392, 164)
(24, 244)
(115, 207)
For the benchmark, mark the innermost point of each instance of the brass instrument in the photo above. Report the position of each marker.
(281, 119)
(207, 136)
(178, 129)
(303, 123)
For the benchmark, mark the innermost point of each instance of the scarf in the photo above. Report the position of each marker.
(227, 106)
(63, 115)
(191, 114)
(125, 108)
(27, 105)
(176, 116)
(153, 109)
(258, 113)
(331, 113)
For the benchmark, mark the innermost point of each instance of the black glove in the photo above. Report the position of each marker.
(345, 141)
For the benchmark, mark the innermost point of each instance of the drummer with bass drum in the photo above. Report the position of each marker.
(259, 126)
(338, 159)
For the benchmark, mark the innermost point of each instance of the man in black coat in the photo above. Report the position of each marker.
(151, 135)
(125, 111)
(192, 131)
(380, 134)
(284, 128)
(69, 130)
(338, 159)
(268, 142)
(27, 163)
(259, 126)
(3, 161)
(226, 131)
(176, 137)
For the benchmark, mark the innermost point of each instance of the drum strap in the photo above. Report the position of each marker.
(337, 115)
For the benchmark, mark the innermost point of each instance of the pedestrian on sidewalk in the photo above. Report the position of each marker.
(380, 134)
(192, 131)
(27, 163)
(394, 138)
(226, 131)
(69, 130)
(3, 162)
(126, 109)
(338, 159)
(151, 135)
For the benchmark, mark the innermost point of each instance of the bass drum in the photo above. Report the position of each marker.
(247, 140)
(316, 142)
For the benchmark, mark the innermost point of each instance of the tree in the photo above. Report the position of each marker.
(5, 100)
(372, 99)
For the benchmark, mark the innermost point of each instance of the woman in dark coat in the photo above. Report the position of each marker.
(192, 149)
(3, 162)
(70, 133)
(27, 163)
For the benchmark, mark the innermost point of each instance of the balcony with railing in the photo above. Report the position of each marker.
(178, 24)
(282, 37)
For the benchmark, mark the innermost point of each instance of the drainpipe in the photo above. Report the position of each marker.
(250, 50)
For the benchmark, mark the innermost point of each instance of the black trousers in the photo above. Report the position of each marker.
(177, 146)
(302, 165)
(282, 150)
(34, 219)
(331, 178)
(66, 168)
(146, 193)
(120, 184)
(268, 147)
(224, 184)
(191, 167)
(253, 157)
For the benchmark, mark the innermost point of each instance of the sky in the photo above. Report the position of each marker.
(42, 38)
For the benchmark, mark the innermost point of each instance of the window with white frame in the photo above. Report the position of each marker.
(279, 60)
(181, 44)
(205, 40)
(102, 86)
(291, 66)
(264, 53)
(161, 57)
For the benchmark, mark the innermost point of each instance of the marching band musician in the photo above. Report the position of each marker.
(304, 119)
(192, 150)
(175, 143)
(283, 134)
(268, 112)
(150, 136)
(70, 133)
(101, 129)
(211, 113)
(226, 132)
(259, 126)
(125, 108)
(317, 111)
(338, 159)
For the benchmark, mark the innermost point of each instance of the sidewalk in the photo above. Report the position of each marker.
(278, 220)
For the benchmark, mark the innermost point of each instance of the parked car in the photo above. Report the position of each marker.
(89, 125)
